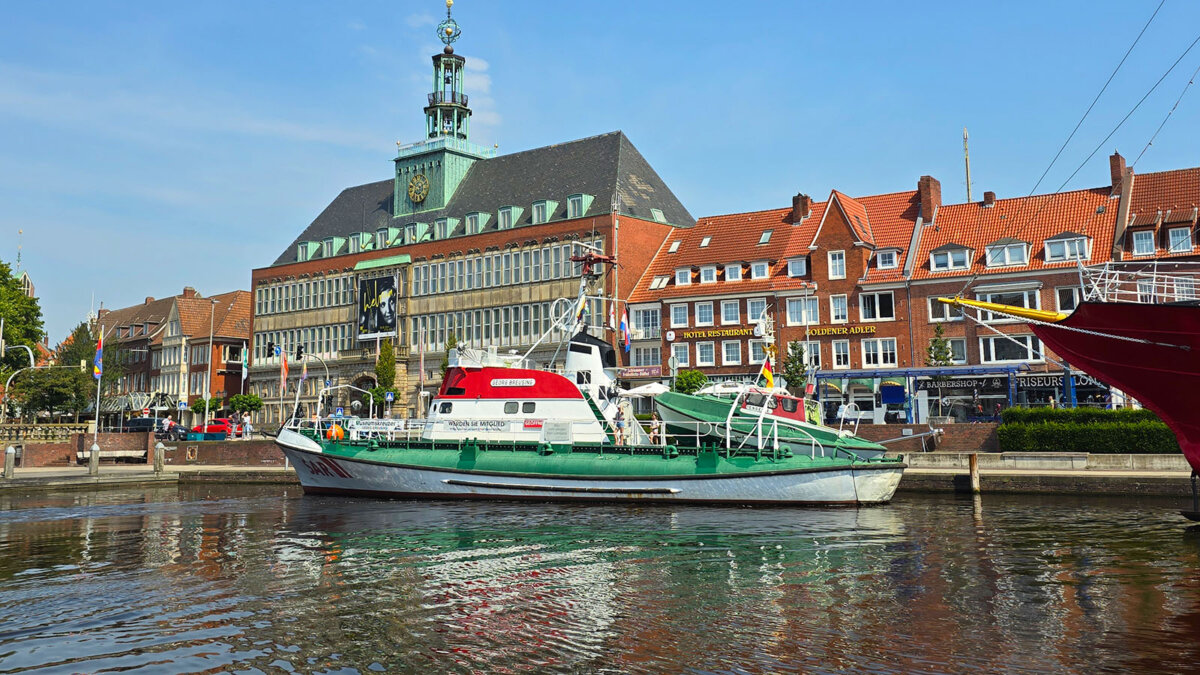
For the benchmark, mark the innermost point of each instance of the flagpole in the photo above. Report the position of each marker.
(99, 381)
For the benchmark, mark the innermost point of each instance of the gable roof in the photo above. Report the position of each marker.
(1173, 195)
(1027, 219)
(600, 166)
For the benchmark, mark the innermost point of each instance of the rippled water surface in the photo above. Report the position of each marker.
(250, 579)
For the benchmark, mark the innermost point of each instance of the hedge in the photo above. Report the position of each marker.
(1076, 415)
(1141, 437)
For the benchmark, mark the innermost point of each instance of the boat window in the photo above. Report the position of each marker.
(510, 407)
(754, 399)
(445, 407)
(528, 406)
(455, 391)
(789, 405)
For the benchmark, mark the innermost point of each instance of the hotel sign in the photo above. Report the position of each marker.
(841, 330)
(715, 333)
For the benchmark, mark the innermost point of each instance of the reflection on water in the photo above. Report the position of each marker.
(265, 579)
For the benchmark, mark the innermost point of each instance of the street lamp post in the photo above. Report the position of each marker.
(212, 313)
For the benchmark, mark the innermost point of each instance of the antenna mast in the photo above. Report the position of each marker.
(967, 159)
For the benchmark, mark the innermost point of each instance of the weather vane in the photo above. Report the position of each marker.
(448, 30)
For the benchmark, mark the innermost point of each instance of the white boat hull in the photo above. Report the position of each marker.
(319, 472)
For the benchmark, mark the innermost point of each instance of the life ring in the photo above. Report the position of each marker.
(335, 433)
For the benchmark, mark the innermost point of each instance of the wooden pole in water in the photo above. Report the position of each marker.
(974, 464)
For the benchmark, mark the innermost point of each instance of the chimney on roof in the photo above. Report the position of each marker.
(801, 207)
(101, 313)
(929, 190)
(1116, 169)
(149, 299)
(189, 292)
(989, 198)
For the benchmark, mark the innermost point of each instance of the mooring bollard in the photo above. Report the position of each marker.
(94, 461)
(10, 462)
(159, 451)
(974, 464)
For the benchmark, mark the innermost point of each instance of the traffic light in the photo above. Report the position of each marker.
(270, 349)
(299, 352)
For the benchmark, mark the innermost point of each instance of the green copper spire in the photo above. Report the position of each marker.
(447, 113)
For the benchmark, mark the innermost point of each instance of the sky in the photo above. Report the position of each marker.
(148, 146)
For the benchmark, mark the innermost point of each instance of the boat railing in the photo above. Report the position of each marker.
(844, 412)
(1142, 282)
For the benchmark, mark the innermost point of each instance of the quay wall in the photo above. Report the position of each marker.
(224, 453)
(955, 438)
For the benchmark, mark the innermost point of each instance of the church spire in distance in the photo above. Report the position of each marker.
(447, 113)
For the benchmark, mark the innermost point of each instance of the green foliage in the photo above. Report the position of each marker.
(1076, 415)
(78, 346)
(114, 363)
(690, 381)
(380, 394)
(794, 369)
(245, 403)
(54, 391)
(22, 322)
(385, 364)
(1140, 437)
(938, 355)
(451, 343)
(214, 404)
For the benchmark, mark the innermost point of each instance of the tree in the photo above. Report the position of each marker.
(244, 403)
(385, 365)
(794, 367)
(214, 404)
(380, 398)
(22, 322)
(690, 381)
(55, 391)
(451, 343)
(938, 355)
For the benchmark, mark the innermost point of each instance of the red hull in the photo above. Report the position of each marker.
(1164, 377)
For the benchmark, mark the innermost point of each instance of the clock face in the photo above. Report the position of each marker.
(418, 188)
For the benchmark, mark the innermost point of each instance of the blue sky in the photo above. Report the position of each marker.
(148, 146)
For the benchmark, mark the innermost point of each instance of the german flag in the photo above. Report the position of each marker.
(766, 374)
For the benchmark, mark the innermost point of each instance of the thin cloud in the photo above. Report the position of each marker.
(420, 19)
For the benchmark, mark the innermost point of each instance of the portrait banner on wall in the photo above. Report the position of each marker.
(376, 308)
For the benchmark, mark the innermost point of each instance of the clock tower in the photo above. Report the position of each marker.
(429, 171)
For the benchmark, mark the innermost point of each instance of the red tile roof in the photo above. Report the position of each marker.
(1029, 219)
(1172, 194)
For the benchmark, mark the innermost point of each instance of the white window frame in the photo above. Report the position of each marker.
(842, 346)
(656, 283)
(1185, 288)
(725, 360)
(1187, 237)
(755, 269)
(990, 296)
(950, 342)
(833, 308)
(862, 306)
(737, 309)
(1006, 255)
(733, 272)
(1075, 291)
(575, 206)
(711, 317)
(893, 260)
(543, 216)
(708, 274)
(673, 247)
(700, 363)
(797, 267)
(1028, 338)
(751, 317)
(504, 218)
(705, 242)
(949, 263)
(681, 349)
(765, 237)
(750, 349)
(875, 347)
(837, 264)
(1143, 236)
(948, 310)
(809, 311)
(1071, 249)
(683, 277)
(674, 321)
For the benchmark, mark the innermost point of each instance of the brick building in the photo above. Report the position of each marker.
(458, 242)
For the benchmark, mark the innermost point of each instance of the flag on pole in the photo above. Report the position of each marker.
(98, 363)
(625, 334)
(304, 371)
(766, 373)
(612, 315)
(244, 358)
(283, 368)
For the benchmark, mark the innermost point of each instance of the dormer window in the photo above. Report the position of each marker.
(704, 242)
(1062, 250)
(887, 260)
(504, 219)
(381, 236)
(674, 246)
(1143, 242)
(759, 270)
(797, 267)
(575, 206)
(1005, 254)
(439, 228)
(683, 277)
(327, 247)
(1179, 240)
(355, 244)
(539, 212)
(765, 237)
(708, 274)
(733, 272)
(658, 216)
(951, 259)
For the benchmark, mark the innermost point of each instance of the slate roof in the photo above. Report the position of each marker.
(1030, 219)
(597, 166)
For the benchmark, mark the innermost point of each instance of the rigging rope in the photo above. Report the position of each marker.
(1085, 331)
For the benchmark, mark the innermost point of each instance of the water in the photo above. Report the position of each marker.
(253, 579)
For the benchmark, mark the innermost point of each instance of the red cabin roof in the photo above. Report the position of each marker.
(505, 383)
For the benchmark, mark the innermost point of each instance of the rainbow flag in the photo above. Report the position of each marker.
(625, 335)
(98, 363)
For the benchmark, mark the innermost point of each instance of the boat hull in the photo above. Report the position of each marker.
(847, 484)
(1160, 366)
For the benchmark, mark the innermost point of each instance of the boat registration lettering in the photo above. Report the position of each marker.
(513, 382)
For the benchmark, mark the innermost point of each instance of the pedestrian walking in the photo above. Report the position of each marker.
(620, 424)
(247, 428)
